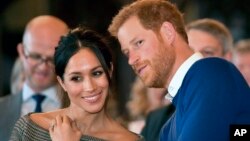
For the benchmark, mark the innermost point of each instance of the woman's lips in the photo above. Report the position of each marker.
(92, 98)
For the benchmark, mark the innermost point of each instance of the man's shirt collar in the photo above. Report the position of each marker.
(50, 92)
(178, 77)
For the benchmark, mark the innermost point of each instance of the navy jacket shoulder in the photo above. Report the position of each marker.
(213, 95)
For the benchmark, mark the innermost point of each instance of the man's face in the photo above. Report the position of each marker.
(37, 54)
(204, 43)
(151, 59)
(243, 64)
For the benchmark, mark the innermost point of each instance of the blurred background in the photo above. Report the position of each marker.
(97, 14)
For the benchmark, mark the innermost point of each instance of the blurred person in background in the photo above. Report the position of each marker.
(210, 37)
(17, 77)
(39, 91)
(142, 101)
(241, 57)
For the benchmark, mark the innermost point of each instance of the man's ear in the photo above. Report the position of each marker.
(61, 83)
(20, 50)
(228, 56)
(168, 32)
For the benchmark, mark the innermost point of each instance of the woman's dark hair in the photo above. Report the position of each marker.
(79, 38)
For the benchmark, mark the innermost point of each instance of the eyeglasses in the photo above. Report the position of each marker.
(37, 59)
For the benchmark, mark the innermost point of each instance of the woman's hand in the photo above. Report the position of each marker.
(64, 129)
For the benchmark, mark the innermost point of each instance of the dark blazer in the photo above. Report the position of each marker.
(212, 96)
(10, 107)
(154, 121)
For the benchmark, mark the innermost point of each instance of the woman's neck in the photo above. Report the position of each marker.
(87, 122)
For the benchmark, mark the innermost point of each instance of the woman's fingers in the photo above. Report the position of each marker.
(51, 128)
(59, 120)
(66, 119)
(74, 126)
(52, 125)
(64, 129)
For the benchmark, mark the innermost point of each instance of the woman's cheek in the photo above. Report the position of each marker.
(74, 90)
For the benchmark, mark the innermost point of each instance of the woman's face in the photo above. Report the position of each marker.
(85, 81)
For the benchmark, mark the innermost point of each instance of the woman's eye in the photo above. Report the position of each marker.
(97, 73)
(76, 78)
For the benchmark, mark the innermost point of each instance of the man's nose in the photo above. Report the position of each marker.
(132, 58)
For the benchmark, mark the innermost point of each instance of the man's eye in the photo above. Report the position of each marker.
(35, 56)
(139, 43)
(51, 60)
(208, 53)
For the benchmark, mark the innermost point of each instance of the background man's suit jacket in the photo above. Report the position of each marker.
(10, 108)
(154, 122)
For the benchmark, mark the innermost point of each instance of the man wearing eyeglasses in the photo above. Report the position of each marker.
(36, 51)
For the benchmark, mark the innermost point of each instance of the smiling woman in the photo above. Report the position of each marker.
(84, 66)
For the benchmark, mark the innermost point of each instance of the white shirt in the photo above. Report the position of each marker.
(51, 102)
(178, 77)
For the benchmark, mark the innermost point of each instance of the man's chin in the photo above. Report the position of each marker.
(146, 81)
(42, 85)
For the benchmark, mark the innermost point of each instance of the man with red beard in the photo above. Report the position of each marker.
(209, 94)
(211, 38)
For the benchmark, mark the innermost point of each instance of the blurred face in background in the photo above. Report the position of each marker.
(37, 51)
(204, 43)
(156, 97)
(242, 62)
